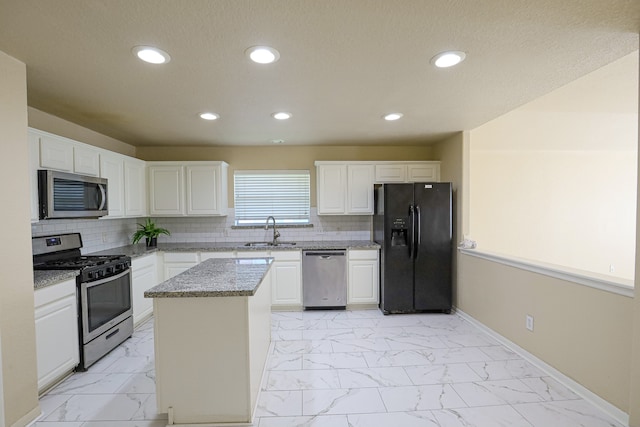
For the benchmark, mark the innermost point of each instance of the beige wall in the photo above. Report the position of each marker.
(581, 331)
(634, 397)
(555, 180)
(283, 157)
(451, 152)
(16, 283)
(48, 123)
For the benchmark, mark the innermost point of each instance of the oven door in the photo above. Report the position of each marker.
(104, 303)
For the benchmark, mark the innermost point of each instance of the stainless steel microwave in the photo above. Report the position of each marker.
(68, 195)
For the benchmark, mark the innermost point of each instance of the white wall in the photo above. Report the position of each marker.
(555, 180)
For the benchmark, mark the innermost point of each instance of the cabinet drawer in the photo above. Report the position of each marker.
(217, 255)
(143, 261)
(181, 257)
(286, 255)
(363, 254)
(54, 292)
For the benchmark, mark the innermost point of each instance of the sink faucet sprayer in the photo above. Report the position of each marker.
(276, 233)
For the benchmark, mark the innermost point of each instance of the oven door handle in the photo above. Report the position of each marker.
(107, 279)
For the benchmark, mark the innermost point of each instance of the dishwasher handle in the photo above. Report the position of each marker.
(325, 254)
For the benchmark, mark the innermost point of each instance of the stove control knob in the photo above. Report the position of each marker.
(99, 273)
(90, 275)
(109, 270)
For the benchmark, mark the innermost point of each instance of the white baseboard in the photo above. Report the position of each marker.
(611, 410)
(29, 419)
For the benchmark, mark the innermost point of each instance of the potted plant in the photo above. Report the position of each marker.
(150, 232)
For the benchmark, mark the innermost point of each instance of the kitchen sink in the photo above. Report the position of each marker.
(269, 244)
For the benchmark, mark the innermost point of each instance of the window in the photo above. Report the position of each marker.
(281, 194)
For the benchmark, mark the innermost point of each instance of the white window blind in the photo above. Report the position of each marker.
(281, 194)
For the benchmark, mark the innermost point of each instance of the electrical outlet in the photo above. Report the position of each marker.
(612, 268)
(529, 322)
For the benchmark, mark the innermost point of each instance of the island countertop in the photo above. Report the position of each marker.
(215, 278)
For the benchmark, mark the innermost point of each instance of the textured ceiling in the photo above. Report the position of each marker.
(343, 64)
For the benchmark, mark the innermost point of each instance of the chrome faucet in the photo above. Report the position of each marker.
(276, 233)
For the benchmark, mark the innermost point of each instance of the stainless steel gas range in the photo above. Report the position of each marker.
(103, 292)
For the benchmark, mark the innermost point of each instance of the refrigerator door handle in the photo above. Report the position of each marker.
(412, 240)
(419, 239)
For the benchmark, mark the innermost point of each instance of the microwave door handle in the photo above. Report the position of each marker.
(103, 197)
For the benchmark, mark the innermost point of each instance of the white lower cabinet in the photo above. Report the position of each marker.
(56, 318)
(363, 277)
(144, 275)
(286, 282)
(177, 262)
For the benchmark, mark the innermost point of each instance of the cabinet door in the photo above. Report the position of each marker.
(423, 172)
(331, 189)
(86, 161)
(203, 183)
(217, 255)
(360, 189)
(363, 282)
(112, 168)
(391, 173)
(34, 163)
(135, 189)
(286, 283)
(56, 320)
(56, 154)
(144, 276)
(166, 190)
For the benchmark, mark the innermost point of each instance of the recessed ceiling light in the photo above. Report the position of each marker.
(262, 54)
(448, 59)
(209, 116)
(282, 115)
(392, 116)
(152, 55)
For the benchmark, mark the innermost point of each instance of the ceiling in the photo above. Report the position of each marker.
(343, 64)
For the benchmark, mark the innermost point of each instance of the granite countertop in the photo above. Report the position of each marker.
(44, 278)
(135, 251)
(215, 278)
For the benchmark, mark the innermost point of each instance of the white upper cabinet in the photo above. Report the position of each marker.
(360, 189)
(135, 189)
(331, 189)
(34, 164)
(86, 161)
(112, 168)
(423, 172)
(344, 188)
(205, 193)
(56, 153)
(187, 188)
(166, 190)
(390, 172)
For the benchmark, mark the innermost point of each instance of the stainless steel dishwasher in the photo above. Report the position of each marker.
(324, 278)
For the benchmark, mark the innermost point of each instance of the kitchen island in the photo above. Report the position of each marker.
(212, 339)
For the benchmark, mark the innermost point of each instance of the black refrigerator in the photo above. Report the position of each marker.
(413, 225)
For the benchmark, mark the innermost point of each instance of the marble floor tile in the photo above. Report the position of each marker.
(488, 393)
(498, 352)
(58, 424)
(415, 343)
(570, 413)
(398, 358)
(342, 401)
(505, 369)
(420, 398)
(285, 362)
(487, 416)
(310, 379)
(139, 383)
(373, 332)
(394, 419)
(328, 334)
(467, 340)
(302, 347)
(98, 407)
(286, 335)
(137, 423)
(89, 383)
(549, 389)
(318, 421)
(458, 355)
(441, 374)
(333, 361)
(356, 345)
(373, 377)
(279, 404)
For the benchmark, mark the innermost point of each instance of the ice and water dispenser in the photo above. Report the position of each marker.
(399, 232)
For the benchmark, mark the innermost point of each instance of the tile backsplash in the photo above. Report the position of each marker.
(101, 234)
